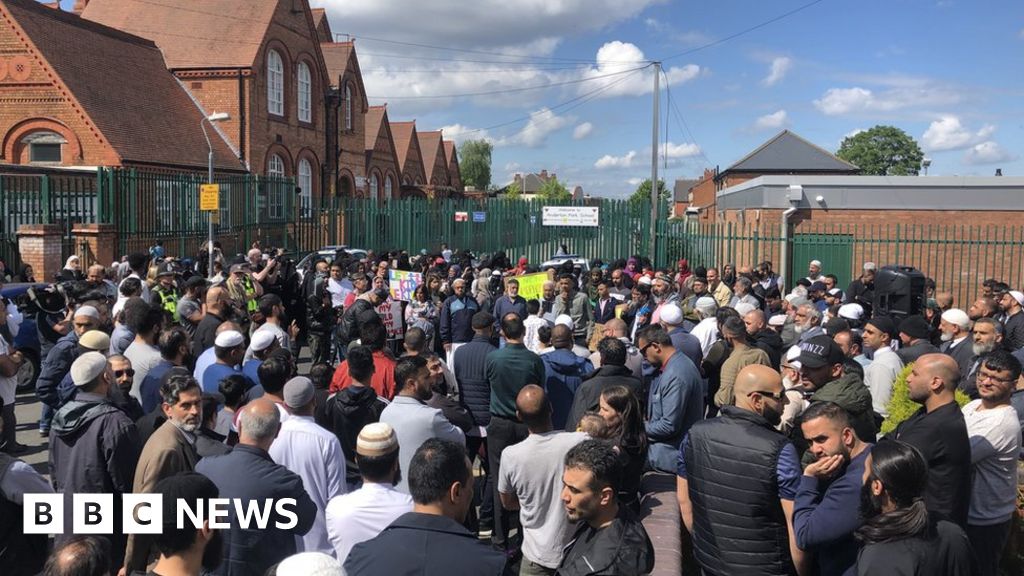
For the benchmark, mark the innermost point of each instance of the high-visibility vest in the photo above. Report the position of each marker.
(251, 304)
(169, 302)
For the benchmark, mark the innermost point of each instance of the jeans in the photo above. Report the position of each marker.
(531, 568)
(988, 543)
(502, 433)
(486, 493)
(10, 426)
(319, 348)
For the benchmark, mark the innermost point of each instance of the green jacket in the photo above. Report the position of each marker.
(850, 393)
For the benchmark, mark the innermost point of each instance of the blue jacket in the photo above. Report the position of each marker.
(248, 473)
(675, 402)
(425, 545)
(471, 374)
(688, 344)
(56, 365)
(502, 306)
(456, 319)
(564, 373)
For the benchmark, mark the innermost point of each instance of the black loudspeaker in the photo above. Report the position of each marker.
(899, 292)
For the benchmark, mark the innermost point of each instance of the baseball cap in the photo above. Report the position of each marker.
(817, 287)
(835, 292)
(820, 351)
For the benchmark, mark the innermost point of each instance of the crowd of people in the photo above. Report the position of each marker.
(495, 434)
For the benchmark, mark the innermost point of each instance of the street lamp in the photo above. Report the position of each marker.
(926, 162)
(215, 117)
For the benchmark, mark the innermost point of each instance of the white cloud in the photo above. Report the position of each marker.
(679, 151)
(460, 133)
(614, 57)
(777, 71)
(542, 124)
(772, 121)
(582, 131)
(634, 181)
(947, 133)
(512, 167)
(988, 152)
(608, 161)
(904, 93)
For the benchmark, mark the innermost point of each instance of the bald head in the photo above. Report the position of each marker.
(755, 378)
(941, 366)
(561, 336)
(228, 325)
(259, 423)
(213, 297)
(754, 321)
(533, 408)
(616, 327)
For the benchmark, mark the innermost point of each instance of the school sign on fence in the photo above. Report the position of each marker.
(570, 216)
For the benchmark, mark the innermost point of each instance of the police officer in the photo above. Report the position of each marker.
(165, 293)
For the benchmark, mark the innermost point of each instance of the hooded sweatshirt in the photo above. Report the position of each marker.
(850, 393)
(348, 411)
(564, 373)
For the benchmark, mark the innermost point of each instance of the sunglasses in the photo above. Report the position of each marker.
(643, 349)
(126, 372)
(773, 396)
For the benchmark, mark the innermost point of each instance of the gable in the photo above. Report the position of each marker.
(343, 66)
(322, 26)
(787, 152)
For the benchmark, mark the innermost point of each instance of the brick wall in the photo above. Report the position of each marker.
(40, 248)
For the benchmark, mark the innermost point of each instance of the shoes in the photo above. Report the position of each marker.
(485, 533)
(15, 448)
(44, 432)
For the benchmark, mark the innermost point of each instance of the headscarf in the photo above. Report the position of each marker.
(67, 263)
(521, 266)
(684, 271)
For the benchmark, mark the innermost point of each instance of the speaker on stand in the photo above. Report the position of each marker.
(899, 292)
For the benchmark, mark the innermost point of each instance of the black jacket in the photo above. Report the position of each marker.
(206, 333)
(453, 411)
(914, 351)
(620, 549)
(589, 393)
(348, 411)
(943, 549)
(471, 374)
(357, 314)
(769, 341)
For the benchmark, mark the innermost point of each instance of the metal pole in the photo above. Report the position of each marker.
(654, 167)
(209, 180)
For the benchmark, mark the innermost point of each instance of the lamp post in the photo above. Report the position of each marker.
(215, 117)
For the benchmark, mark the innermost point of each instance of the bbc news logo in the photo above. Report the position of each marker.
(144, 513)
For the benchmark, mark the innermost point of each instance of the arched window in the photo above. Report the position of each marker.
(387, 187)
(348, 107)
(275, 83)
(374, 185)
(275, 188)
(305, 93)
(305, 187)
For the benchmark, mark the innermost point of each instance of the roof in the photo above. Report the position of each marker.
(374, 119)
(160, 126)
(449, 152)
(431, 147)
(403, 133)
(681, 190)
(340, 57)
(322, 25)
(789, 153)
(192, 33)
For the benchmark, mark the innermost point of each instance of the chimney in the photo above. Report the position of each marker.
(79, 6)
(543, 174)
(999, 171)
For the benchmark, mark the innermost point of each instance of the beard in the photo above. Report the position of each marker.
(773, 416)
(190, 427)
(946, 337)
(982, 348)
(870, 505)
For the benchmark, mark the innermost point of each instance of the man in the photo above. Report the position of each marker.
(511, 301)
(612, 372)
(58, 362)
(663, 294)
(825, 514)
(577, 306)
(175, 350)
(995, 436)
(508, 371)
(229, 348)
(218, 306)
(248, 474)
(914, 333)
(169, 450)
(742, 293)
(616, 328)
(362, 514)
(609, 539)
(1010, 303)
(886, 365)
(807, 320)
(983, 307)
(321, 319)
(673, 322)
(120, 393)
(313, 454)
(262, 345)
(531, 476)
(138, 264)
(699, 289)
(94, 446)
(604, 308)
(354, 407)
(717, 289)
(988, 336)
(737, 475)
(190, 310)
(456, 319)
(822, 376)
(564, 372)
(734, 333)
(187, 549)
(373, 335)
(619, 287)
(852, 345)
(897, 538)
(533, 324)
(862, 290)
(706, 331)
(675, 401)
(431, 538)
(955, 326)
(20, 553)
(814, 271)
(471, 373)
(763, 337)
(272, 308)
(11, 362)
(408, 414)
(146, 322)
(938, 431)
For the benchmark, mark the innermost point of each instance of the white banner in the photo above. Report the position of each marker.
(570, 216)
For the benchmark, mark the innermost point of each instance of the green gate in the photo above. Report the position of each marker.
(835, 251)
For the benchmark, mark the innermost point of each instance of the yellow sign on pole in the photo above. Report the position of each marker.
(209, 197)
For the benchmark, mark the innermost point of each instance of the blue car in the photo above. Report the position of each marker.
(27, 340)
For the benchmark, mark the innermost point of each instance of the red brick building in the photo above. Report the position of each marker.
(348, 128)
(381, 157)
(454, 172)
(410, 158)
(435, 164)
(114, 104)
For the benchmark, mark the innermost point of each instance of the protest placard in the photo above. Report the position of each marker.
(403, 283)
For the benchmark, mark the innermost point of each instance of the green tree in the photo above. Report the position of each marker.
(883, 151)
(553, 191)
(475, 163)
(513, 191)
(642, 195)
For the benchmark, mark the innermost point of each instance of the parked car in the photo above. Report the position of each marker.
(327, 252)
(27, 340)
(577, 262)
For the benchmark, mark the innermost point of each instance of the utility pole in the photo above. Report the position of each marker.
(654, 167)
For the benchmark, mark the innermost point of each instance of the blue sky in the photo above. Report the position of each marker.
(948, 72)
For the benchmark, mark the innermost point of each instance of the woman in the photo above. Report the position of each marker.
(25, 274)
(72, 271)
(521, 266)
(620, 409)
(422, 312)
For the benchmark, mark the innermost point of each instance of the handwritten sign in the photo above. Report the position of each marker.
(403, 283)
(390, 312)
(531, 286)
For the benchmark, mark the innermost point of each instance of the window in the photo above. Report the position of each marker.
(275, 187)
(305, 91)
(373, 185)
(44, 147)
(305, 187)
(348, 107)
(275, 83)
(387, 188)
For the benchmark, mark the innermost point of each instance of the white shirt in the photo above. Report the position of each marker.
(314, 454)
(362, 515)
(879, 377)
(8, 384)
(995, 446)
(143, 358)
(707, 332)
(530, 339)
(283, 339)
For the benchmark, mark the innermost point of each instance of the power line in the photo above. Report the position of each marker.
(508, 90)
(486, 52)
(674, 109)
(744, 31)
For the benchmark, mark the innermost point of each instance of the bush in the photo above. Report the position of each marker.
(901, 407)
